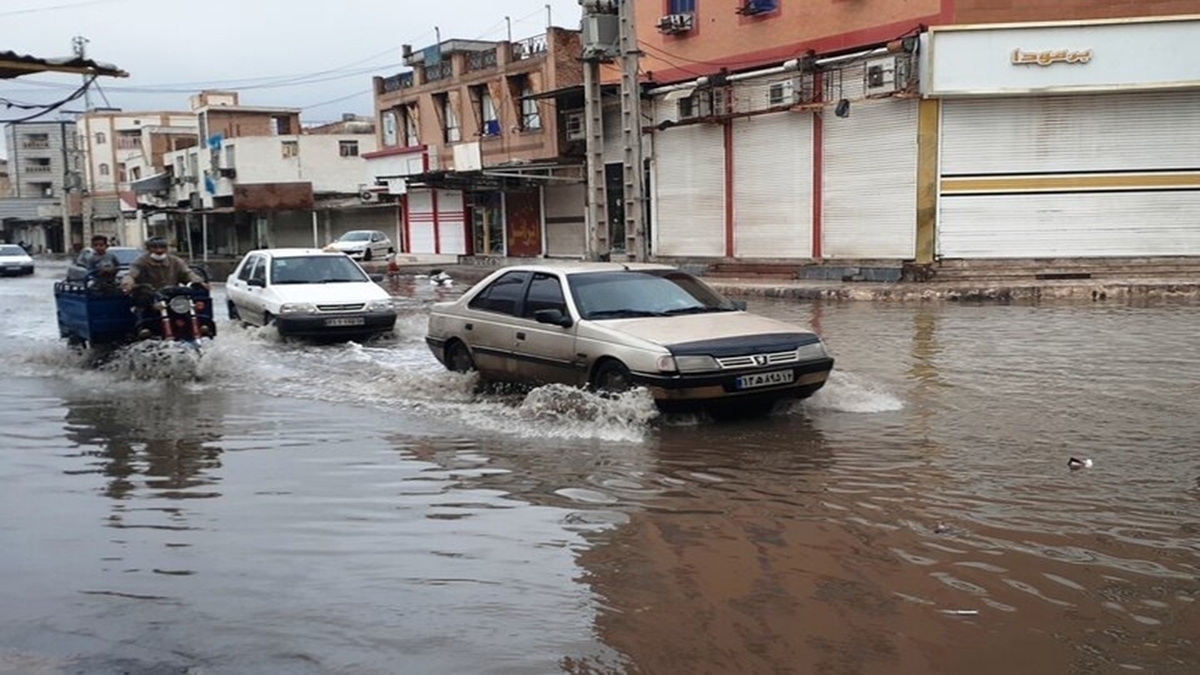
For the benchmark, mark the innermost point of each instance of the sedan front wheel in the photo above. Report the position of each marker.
(612, 377)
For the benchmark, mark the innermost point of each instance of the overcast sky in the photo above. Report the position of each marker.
(318, 56)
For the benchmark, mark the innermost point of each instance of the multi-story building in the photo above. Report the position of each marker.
(5, 183)
(43, 169)
(120, 148)
(259, 179)
(472, 139)
(921, 130)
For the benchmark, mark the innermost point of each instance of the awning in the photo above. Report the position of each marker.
(159, 182)
(13, 65)
(686, 92)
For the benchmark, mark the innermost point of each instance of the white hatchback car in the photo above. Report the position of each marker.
(15, 260)
(308, 293)
(364, 245)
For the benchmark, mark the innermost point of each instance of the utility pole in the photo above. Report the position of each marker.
(636, 245)
(79, 48)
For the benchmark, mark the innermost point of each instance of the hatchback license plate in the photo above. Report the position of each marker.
(346, 321)
(765, 379)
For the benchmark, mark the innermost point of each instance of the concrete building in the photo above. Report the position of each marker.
(261, 180)
(5, 183)
(881, 131)
(42, 163)
(485, 162)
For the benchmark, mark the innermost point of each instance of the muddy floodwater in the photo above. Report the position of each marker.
(277, 507)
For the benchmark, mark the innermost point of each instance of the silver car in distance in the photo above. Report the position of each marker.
(614, 326)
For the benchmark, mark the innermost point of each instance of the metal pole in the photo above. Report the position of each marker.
(204, 234)
(636, 245)
(597, 244)
(316, 230)
(508, 21)
(549, 17)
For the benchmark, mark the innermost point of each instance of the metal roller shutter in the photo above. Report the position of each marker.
(420, 221)
(565, 225)
(452, 229)
(689, 189)
(772, 186)
(869, 186)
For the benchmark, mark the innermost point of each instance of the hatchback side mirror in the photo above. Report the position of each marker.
(553, 316)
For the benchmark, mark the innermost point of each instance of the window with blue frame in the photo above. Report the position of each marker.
(681, 6)
(752, 7)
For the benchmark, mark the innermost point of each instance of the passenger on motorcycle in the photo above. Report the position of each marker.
(97, 260)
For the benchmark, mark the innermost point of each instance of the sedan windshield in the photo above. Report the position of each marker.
(356, 236)
(11, 250)
(316, 269)
(125, 256)
(637, 293)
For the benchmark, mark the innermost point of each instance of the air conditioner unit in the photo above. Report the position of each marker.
(368, 196)
(780, 93)
(672, 24)
(884, 75)
(752, 7)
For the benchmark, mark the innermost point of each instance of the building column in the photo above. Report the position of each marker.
(928, 133)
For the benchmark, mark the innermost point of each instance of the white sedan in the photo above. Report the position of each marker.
(15, 260)
(615, 326)
(363, 245)
(308, 293)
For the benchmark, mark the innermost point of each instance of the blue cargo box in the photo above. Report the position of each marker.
(97, 316)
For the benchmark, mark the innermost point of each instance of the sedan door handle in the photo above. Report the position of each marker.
(469, 326)
(520, 335)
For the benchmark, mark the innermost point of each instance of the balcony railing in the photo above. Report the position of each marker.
(529, 47)
(439, 71)
(38, 168)
(397, 82)
(481, 60)
(129, 143)
(35, 145)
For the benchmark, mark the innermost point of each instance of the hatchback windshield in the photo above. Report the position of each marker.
(11, 250)
(624, 294)
(316, 269)
(356, 236)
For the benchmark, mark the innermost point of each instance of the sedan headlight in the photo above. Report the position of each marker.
(379, 305)
(813, 350)
(696, 364)
(298, 308)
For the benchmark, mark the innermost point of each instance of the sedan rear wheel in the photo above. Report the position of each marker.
(233, 313)
(612, 377)
(458, 358)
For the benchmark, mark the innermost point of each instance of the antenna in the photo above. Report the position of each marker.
(79, 48)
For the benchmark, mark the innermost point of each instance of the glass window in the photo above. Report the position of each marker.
(612, 295)
(104, 170)
(290, 149)
(348, 148)
(101, 139)
(316, 269)
(681, 6)
(545, 292)
(259, 273)
(502, 294)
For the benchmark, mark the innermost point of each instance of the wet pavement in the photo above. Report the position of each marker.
(279, 507)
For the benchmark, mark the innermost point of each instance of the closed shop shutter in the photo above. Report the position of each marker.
(452, 228)
(689, 191)
(420, 221)
(772, 186)
(1070, 176)
(869, 185)
(565, 226)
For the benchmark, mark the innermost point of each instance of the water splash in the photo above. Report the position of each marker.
(154, 360)
(850, 393)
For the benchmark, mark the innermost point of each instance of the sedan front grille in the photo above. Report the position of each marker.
(351, 307)
(759, 360)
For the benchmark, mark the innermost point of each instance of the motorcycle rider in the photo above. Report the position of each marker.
(157, 268)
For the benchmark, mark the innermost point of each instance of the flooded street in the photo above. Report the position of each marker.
(277, 507)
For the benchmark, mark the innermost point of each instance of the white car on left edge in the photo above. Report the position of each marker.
(308, 293)
(15, 260)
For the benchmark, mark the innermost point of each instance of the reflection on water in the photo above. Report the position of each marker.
(355, 508)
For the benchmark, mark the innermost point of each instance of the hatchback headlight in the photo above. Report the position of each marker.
(696, 364)
(298, 308)
(379, 305)
(813, 350)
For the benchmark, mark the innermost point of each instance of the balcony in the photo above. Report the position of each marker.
(397, 82)
(40, 144)
(129, 142)
(38, 168)
(443, 70)
(481, 60)
(530, 47)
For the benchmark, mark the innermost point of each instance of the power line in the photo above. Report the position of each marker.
(70, 5)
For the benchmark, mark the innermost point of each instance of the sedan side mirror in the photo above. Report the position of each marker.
(739, 305)
(261, 283)
(553, 316)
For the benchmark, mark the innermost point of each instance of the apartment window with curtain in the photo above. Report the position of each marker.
(450, 130)
(489, 122)
(389, 128)
(409, 117)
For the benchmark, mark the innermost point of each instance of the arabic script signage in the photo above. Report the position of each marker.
(1050, 57)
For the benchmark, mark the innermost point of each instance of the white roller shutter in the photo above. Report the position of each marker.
(451, 223)
(1084, 175)
(772, 186)
(420, 221)
(565, 222)
(869, 184)
(689, 190)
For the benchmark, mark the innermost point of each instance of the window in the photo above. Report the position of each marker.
(779, 93)
(230, 157)
(545, 292)
(531, 119)
(281, 125)
(489, 123)
(681, 6)
(244, 273)
(135, 173)
(688, 107)
(101, 139)
(389, 128)
(259, 273)
(348, 148)
(575, 126)
(755, 7)
(409, 113)
(450, 130)
(121, 172)
(502, 294)
(290, 149)
(104, 170)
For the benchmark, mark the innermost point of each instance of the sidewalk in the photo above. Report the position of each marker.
(1184, 287)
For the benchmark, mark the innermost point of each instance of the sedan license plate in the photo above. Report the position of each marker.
(346, 321)
(764, 379)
